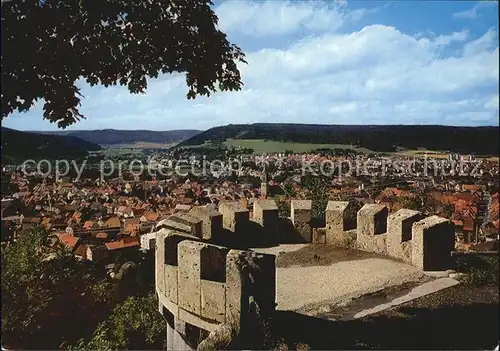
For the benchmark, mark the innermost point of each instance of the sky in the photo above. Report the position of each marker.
(332, 62)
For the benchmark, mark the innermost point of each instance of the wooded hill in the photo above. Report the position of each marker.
(114, 136)
(18, 146)
(381, 138)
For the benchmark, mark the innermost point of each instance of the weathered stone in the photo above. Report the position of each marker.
(179, 325)
(234, 216)
(171, 242)
(213, 263)
(212, 221)
(301, 215)
(189, 275)
(170, 224)
(249, 274)
(433, 240)
(399, 226)
(371, 228)
(213, 300)
(265, 212)
(171, 290)
(194, 224)
(182, 208)
(160, 261)
(338, 222)
(319, 235)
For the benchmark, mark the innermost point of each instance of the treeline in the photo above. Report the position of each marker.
(19, 146)
(114, 136)
(474, 140)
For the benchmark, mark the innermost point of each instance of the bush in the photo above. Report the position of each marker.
(479, 269)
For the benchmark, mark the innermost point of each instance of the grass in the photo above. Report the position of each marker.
(120, 151)
(268, 146)
(421, 153)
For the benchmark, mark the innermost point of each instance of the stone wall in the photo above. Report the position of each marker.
(201, 286)
(405, 235)
(208, 278)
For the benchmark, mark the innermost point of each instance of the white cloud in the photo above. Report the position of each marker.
(273, 18)
(473, 13)
(485, 42)
(377, 74)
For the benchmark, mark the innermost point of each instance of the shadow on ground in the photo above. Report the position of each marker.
(474, 326)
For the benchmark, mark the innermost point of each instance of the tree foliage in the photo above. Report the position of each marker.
(134, 324)
(46, 302)
(47, 46)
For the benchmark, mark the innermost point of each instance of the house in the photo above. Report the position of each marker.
(130, 242)
(97, 253)
(69, 241)
(113, 222)
(149, 216)
(81, 252)
(148, 241)
(88, 225)
(131, 226)
(125, 211)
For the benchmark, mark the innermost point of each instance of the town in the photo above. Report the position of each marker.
(249, 175)
(97, 220)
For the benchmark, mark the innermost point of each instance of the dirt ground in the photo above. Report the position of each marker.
(310, 277)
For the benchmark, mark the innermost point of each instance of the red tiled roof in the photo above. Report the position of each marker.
(468, 224)
(151, 216)
(126, 242)
(68, 240)
(113, 222)
(88, 224)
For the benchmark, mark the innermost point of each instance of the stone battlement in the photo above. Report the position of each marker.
(207, 275)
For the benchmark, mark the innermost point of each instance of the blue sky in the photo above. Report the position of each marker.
(333, 62)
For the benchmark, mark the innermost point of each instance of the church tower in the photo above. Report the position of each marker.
(264, 185)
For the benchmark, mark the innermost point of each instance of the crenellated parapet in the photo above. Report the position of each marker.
(399, 233)
(301, 216)
(202, 285)
(209, 278)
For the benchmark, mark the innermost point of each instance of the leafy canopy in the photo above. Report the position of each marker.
(48, 45)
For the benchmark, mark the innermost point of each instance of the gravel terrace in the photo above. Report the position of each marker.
(310, 277)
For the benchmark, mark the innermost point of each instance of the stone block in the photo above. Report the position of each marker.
(213, 263)
(160, 261)
(319, 235)
(249, 275)
(171, 279)
(213, 300)
(234, 216)
(371, 228)
(180, 208)
(170, 224)
(193, 224)
(171, 242)
(189, 275)
(265, 212)
(212, 221)
(301, 215)
(335, 214)
(399, 226)
(433, 240)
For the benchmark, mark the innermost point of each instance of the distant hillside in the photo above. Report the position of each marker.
(18, 146)
(477, 140)
(113, 136)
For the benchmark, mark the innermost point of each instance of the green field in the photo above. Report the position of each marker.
(266, 146)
